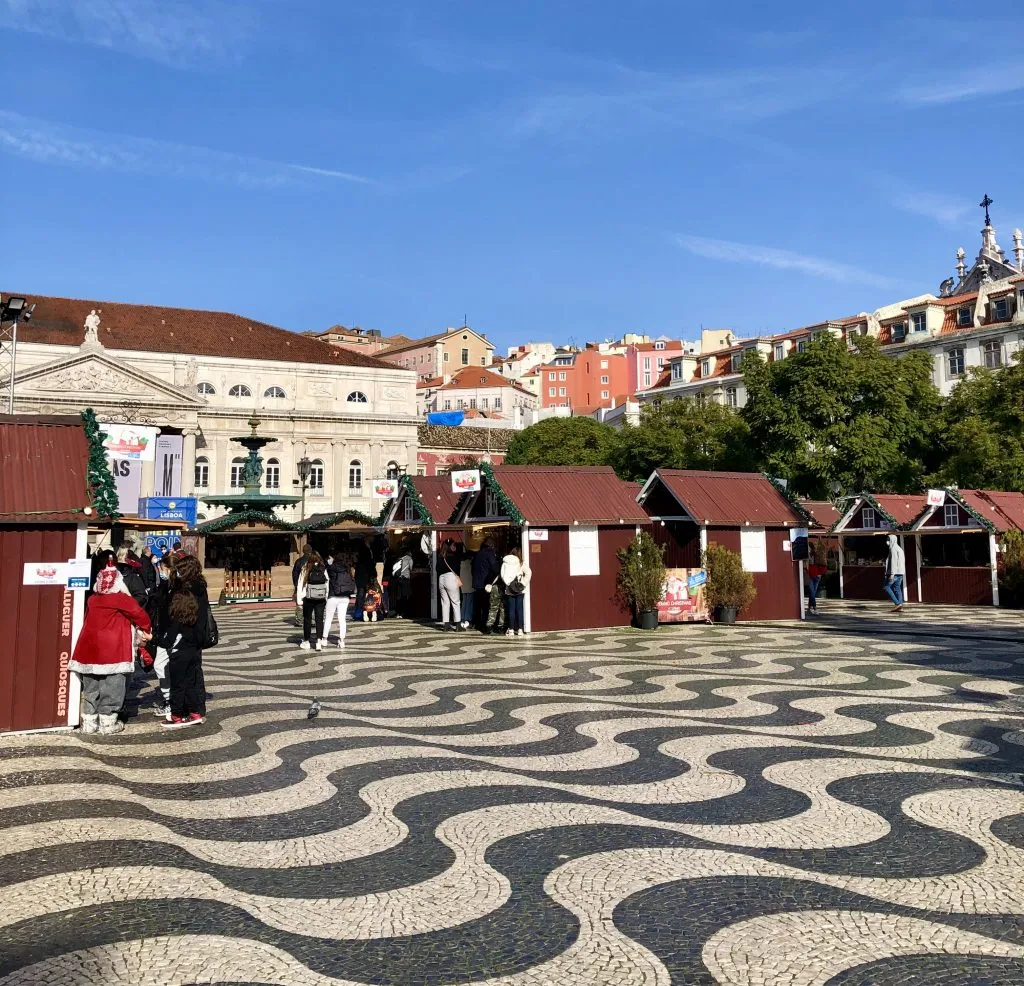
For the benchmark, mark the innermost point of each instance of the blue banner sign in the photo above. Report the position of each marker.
(169, 508)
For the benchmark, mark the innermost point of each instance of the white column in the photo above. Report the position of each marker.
(339, 466)
(703, 539)
(803, 607)
(77, 620)
(993, 556)
(917, 545)
(527, 607)
(188, 462)
(906, 578)
(841, 556)
(433, 574)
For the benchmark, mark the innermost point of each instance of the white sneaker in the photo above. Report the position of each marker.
(341, 644)
(162, 711)
(510, 633)
(373, 618)
(319, 645)
(304, 645)
(465, 624)
(520, 633)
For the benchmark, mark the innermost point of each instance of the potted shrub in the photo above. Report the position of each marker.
(642, 578)
(729, 588)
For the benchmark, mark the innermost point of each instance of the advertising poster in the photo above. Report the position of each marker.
(384, 489)
(128, 480)
(466, 481)
(168, 465)
(45, 573)
(682, 597)
(129, 442)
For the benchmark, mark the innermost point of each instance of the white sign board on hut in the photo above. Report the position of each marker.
(466, 481)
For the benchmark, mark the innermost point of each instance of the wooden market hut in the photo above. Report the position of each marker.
(744, 512)
(570, 522)
(46, 502)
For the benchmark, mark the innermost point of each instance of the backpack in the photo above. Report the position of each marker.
(317, 585)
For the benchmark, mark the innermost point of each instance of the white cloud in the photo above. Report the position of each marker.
(50, 143)
(171, 31)
(994, 80)
(945, 209)
(748, 253)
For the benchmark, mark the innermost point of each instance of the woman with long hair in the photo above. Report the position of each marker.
(180, 646)
(311, 594)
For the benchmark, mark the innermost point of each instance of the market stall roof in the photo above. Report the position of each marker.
(727, 499)
(824, 513)
(44, 473)
(250, 522)
(436, 494)
(903, 509)
(1004, 511)
(344, 520)
(558, 496)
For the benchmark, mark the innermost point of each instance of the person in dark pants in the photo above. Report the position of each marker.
(307, 550)
(312, 592)
(485, 571)
(182, 639)
(365, 573)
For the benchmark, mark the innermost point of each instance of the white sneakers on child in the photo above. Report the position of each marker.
(319, 645)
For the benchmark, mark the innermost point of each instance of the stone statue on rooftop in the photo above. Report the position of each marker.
(92, 328)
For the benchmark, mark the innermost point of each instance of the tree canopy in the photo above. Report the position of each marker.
(562, 442)
(830, 419)
(683, 434)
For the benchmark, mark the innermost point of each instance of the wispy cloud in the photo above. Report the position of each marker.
(993, 80)
(945, 209)
(172, 31)
(51, 143)
(730, 251)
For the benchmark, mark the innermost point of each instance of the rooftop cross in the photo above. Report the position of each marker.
(984, 204)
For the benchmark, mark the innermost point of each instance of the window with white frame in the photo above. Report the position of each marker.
(604, 395)
(393, 471)
(316, 477)
(647, 362)
(561, 391)
(483, 360)
(237, 467)
(659, 345)
(446, 356)
(409, 513)
(604, 379)
(206, 389)
(801, 346)
(239, 390)
(731, 397)
(202, 474)
(780, 351)
(465, 357)
(472, 402)
(677, 371)
(993, 350)
(272, 475)
(918, 322)
(1000, 310)
(737, 360)
(356, 397)
(461, 404)
(951, 516)
(899, 331)
(955, 361)
(276, 393)
(551, 376)
(355, 478)
(705, 368)
(604, 364)
(561, 376)
(647, 379)
(552, 391)
(485, 403)
(868, 519)
(448, 404)
(964, 318)
(661, 362)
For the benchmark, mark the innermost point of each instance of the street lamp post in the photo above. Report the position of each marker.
(12, 311)
(304, 465)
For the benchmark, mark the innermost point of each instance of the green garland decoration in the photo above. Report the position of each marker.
(511, 510)
(100, 484)
(234, 519)
(329, 520)
(955, 496)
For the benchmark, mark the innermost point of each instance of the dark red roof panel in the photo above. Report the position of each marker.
(730, 499)
(825, 514)
(149, 328)
(1005, 510)
(437, 496)
(903, 509)
(44, 477)
(560, 495)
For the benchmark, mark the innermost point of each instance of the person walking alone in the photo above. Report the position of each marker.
(311, 594)
(105, 653)
(485, 571)
(515, 576)
(895, 573)
(300, 563)
(817, 569)
(400, 584)
(450, 585)
(341, 586)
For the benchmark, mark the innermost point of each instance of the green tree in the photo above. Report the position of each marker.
(981, 438)
(562, 442)
(683, 434)
(830, 419)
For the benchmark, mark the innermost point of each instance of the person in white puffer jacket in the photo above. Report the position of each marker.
(515, 576)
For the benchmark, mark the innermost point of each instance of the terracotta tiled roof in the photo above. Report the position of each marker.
(474, 377)
(954, 299)
(657, 347)
(562, 495)
(730, 499)
(399, 347)
(429, 384)
(45, 468)
(193, 332)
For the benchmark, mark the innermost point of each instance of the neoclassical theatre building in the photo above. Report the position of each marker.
(198, 377)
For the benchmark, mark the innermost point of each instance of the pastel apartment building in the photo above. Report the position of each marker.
(584, 379)
(443, 354)
(475, 389)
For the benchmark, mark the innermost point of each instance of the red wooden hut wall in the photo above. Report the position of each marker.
(778, 589)
(35, 627)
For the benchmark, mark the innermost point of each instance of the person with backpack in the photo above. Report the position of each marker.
(515, 576)
(311, 594)
(341, 586)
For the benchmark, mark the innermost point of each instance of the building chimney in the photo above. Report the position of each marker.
(1018, 249)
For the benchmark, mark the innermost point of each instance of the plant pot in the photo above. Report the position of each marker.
(726, 615)
(648, 619)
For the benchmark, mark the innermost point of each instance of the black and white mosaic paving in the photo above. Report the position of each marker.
(703, 805)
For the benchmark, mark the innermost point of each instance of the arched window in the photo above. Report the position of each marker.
(239, 390)
(202, 473)
(393, 471)
(355, 478)
(206, 389)
(237, 466)
(272, 475)
(357, 397)
(274, 392)
(316, 477)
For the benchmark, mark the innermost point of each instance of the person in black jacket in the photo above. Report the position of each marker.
(365, 573)
(182, 640)
(341, 577)
(130, 567)
(485, 571)
(307, 550)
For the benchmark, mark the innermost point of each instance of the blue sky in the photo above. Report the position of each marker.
(551, 169)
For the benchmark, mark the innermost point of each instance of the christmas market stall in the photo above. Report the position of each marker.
(744, 512)
(569, 522)
(53, 482)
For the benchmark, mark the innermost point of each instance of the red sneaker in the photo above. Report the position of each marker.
(179, 722)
